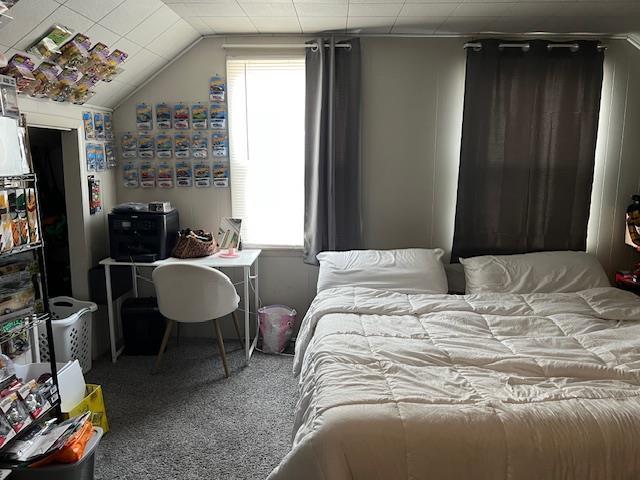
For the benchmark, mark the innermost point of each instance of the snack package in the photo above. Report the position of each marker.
(219, 144)
(220, 174)
(182, 144)
(202, 175)
(92, 161)
(199, 145)
(113, 61)
(96, 65)
(108, 126)
(98, 123)
(63, 89)
(75, 52)
(32, 216)
(6, 431)
(163, 116)
(184, 173)
(216, 89)
(46, 77)
(164, 145)
(81, 91)
(13, 213)
(130, 175)
(110, 155)
(49, 46)
(129, 145)
(89, 131)
(147, 175)
(144, 116)
(146, 145)
(199, 115)
(6, 238)
(21, 68)
(165, 175)
(100, 161)
(32, 395)
(218, 116)
(21, 210)
(15, 412)
(181, 116)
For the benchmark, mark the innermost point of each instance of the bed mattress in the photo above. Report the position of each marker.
(487, 386)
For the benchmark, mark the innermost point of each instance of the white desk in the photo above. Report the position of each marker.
(245, 260)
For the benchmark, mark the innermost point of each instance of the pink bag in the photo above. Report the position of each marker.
(276, 327)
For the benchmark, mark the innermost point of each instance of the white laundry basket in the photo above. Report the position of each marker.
(71, 325)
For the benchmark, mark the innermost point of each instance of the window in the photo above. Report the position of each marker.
(266, 140)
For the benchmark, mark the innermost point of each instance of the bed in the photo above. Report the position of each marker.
(481, 386)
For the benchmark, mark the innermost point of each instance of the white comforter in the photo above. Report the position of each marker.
(490, 386)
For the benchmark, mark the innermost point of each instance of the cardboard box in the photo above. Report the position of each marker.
(94, 402)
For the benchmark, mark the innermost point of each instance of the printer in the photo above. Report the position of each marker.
(137, 234)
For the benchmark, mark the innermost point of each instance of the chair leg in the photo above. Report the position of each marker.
(165, 340)
(221, 347)
(237, 325)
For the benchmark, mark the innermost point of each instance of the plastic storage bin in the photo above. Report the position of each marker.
(71, 323)
(83, 469)
(276, 327)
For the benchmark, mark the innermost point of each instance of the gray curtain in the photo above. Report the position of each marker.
(528, 148)
(333, 218)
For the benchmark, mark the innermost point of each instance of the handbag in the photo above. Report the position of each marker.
(194, 244)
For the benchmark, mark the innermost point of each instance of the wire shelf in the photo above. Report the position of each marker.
(29, 322)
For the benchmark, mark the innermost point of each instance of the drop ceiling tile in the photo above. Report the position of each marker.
(158, 22)
(61, 16)
(94, 9)
(603, 8)
(518, 24)
(321, 10)
(375, 24)
(176, 39)
(229, 8)
(427, 9)
(129, 14)
(263, 9)
(141, 67)
(369, 2)
(417, 25)
(335, 2)
(230, 24)
(97, 33)
(199, 25)
(482, 9)
(27, 15)
(537, 9)
(127, 46)
(323, 24)
(276, 24)
(374, 10)
(465, 24)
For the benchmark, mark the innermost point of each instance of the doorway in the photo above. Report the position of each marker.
(48, 165)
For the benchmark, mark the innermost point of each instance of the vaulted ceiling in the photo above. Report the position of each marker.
(153, 32)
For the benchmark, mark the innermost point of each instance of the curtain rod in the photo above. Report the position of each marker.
(281, 45)
(574, 47)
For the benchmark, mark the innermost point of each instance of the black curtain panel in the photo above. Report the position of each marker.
(528, 147)
(333, 211)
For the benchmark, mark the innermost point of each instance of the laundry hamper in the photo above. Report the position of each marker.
(276, 327)
(71, 324)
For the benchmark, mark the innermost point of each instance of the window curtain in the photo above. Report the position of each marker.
(528, 148)
(333, 218)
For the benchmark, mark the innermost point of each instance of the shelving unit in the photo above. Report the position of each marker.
(14, 324)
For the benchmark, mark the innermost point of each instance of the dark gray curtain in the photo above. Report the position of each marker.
(528, 147)
(332, 219)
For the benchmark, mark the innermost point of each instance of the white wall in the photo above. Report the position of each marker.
(617, 172)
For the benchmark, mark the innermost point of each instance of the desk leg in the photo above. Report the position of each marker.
(134, 280)
(247, 330)
(256, 292)
(112, 324)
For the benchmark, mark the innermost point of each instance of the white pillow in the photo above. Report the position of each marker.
(543, 272)
(412, 270)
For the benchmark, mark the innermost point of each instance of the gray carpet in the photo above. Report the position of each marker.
(188, 421)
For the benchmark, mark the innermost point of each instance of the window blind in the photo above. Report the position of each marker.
(266, 100)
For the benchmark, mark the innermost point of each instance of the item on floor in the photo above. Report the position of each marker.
(194, 244)
(276, 327)
(142, 236)
(193, 294)
(71, 324)
(142, 326)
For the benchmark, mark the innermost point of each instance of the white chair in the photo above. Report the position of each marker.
(193, 293)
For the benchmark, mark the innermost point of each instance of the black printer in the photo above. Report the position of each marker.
(138, 235)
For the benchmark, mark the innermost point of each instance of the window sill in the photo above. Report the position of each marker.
(276, 251)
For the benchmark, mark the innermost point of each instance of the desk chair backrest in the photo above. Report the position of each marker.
(193, 293)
